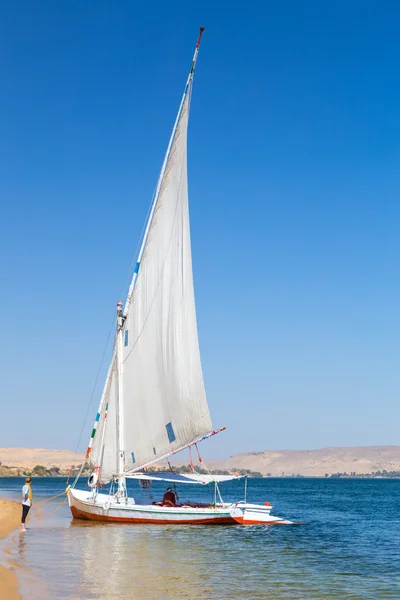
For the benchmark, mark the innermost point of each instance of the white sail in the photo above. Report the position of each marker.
(154, 396)
(104, 449)
(164, 402)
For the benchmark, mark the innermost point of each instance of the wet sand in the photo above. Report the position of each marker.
(10, 518)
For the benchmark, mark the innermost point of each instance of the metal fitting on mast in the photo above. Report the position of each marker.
(120, 316)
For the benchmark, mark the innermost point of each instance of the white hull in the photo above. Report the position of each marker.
(84, 506)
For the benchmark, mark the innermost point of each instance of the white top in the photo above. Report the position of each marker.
(26, 495)
(195, 478)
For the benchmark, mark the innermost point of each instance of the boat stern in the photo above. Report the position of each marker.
(256, 514)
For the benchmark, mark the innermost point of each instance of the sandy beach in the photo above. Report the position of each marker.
(10, 515)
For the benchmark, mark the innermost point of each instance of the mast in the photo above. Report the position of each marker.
(163, 169)
(119, 404)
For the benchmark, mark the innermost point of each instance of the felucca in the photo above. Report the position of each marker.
(153, 403)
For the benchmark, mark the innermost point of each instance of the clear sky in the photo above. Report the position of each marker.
(294, 180)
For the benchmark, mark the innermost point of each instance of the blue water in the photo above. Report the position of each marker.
(348, 547)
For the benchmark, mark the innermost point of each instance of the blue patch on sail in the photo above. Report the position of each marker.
(97, 417)
(170, 432)
(133, 457)
(126, 337)
(154, 450)
(137, 266)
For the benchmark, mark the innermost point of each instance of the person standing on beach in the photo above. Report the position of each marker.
(26, 501)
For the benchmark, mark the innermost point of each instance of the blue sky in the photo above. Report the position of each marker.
(294, 152)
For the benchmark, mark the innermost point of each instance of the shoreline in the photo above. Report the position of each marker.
(267, 477)
(10, 518)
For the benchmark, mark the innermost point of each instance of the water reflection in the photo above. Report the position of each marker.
(22, 548)
(138, 561)
(348, 549)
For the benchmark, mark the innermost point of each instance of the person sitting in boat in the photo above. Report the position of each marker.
(169, 498)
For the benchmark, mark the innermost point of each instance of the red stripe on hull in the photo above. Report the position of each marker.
(79, 514)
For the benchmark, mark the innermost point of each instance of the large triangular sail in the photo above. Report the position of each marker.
(160, 398)
(164, 398)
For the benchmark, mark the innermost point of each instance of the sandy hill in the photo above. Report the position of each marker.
(27, 458)
(359, 460)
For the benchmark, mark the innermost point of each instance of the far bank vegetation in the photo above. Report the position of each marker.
(40, 471)
(54, 471)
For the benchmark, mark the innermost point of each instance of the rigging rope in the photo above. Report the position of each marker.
(190, 458)
(204, 466)
(37, 506)
(92, 394)
(198, 454)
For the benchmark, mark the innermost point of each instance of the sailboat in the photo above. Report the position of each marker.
(153, 403)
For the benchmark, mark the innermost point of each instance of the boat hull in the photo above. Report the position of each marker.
(84, 506)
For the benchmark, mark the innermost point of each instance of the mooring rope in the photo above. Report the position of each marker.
(37, 506)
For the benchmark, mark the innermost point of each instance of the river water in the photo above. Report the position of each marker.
(348, 547)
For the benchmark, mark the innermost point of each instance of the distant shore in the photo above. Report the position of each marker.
(377, 475)
(361, 461)
(9, 520)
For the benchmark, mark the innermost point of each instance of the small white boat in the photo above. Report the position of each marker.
(153, 403)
